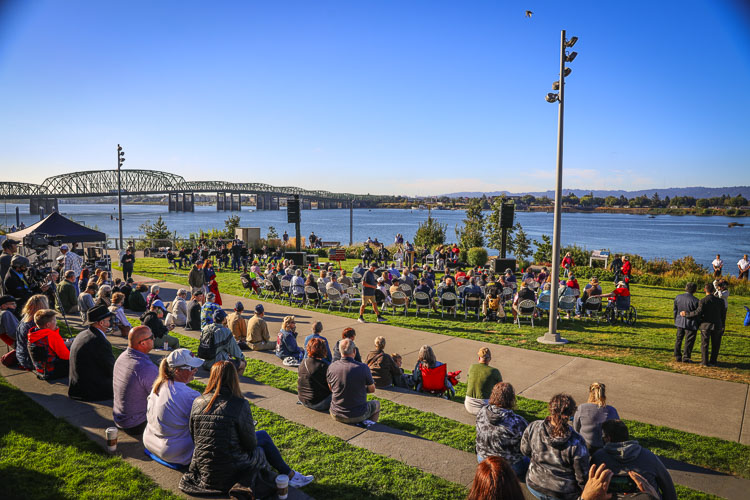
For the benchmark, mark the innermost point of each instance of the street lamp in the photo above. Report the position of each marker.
(552, 336)
(120, 161)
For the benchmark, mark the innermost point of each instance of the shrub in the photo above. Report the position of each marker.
(477, 256)
(656, 266)
(686, 265)
(430, 233)
(580, 255)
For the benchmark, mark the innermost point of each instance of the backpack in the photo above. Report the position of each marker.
(494, 303)
(208, 345)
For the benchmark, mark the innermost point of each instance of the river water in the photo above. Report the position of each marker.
(664, 236)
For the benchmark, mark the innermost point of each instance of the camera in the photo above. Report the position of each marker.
(39, 270)
(40, 242)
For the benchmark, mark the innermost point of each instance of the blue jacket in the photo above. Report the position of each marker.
(329, 357)
(286, 346)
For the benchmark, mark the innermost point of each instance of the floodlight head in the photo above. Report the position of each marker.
(119, 148)
(567, 71)
(556, 85)
(572, 41)
(122, 160)
(571, 56)
(552, 97)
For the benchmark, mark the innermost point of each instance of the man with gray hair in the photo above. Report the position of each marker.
(350, 381)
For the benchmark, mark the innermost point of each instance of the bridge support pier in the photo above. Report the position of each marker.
(274, 203)
(181, 202)
(235, 202)
(173, 202)
(221, 202)
(42, 205)
(305, 204)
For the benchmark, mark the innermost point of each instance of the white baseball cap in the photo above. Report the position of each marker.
(183, 357)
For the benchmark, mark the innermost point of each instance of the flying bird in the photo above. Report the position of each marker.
(529, 14)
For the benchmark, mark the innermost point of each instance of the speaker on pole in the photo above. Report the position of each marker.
(506, 215)
(292, 210)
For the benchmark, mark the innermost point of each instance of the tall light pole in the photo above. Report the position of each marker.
(552, 336)
(120, 161)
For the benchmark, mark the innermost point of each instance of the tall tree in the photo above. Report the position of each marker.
(472, 234)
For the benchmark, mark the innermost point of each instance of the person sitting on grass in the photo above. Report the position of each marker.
(286, 343)
(348, 333)
(91, 359)
(48, 351)
(559, 457)
(179, 313)
(34, 304)
(350, 382)
(154, 295)
(258, 338)
(167, 433)
(228, 449)
(385, 372)
(136, 301)
(494, 479)
(625, 456)
(86, 301)
(194, 310)
(237, 325)
(217, 344)
(120, 323)
(482, 379)
(428, 359)
(590, 416)
(133, 379)
(208, 310)
(499, 429)
(154, 320)
(317, 327)
(312, 386)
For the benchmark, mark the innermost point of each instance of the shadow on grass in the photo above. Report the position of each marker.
(22, 483)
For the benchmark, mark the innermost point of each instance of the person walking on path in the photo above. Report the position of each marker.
(687, 328)
(482, 379)
(743, 267)
(369, 285)
(710, 310)
(717, 264)
(127, 261)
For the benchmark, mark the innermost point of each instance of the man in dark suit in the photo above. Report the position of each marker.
(710, 310)
(686, 327)
(91, 359)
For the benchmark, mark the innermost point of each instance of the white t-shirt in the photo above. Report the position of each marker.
(743, 264)
(717, 263)
(167, 433)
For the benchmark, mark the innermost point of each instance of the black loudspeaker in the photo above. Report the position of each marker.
(502, 264)
(506, 215)
(297, 257)
(292, 210)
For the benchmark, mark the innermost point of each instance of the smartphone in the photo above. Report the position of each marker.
(622, 484)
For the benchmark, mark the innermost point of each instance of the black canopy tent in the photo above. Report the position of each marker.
(64, 229)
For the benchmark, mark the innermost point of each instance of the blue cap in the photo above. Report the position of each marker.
(220, 316)
(259, 309)
(158, 303)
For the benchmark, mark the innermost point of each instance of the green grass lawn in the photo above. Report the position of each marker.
(649, 343)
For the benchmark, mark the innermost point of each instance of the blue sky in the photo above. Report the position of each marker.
(416, 97)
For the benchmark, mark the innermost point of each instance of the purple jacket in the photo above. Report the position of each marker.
(133, 378)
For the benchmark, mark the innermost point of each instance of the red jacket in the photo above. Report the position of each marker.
(52, 342)
(213, 287)
(626, 268)
(568, 263)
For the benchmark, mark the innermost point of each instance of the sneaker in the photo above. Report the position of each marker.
(300, 480)
(368, 422)
(361, 320)
(381, 319)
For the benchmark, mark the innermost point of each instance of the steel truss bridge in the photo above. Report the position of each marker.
(100, 183)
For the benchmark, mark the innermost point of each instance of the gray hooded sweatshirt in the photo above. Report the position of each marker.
(629, 455)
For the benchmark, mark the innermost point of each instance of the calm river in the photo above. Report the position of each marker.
(664, 236)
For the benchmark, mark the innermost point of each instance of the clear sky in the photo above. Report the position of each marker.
(396, 97)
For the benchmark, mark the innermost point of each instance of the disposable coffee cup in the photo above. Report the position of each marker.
(111, 435)
(166, 346)
(282, 486)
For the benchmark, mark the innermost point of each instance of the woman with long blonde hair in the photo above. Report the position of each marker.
(286, 343)
(227, 447)
(168, 412)
(590, 416)
(34, 304)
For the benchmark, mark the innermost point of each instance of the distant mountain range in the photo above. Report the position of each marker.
(695, 192)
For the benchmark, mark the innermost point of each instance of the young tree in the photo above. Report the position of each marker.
(272, 234)
(471, 235)
(156, 231)
(520, 243)
(430, 233)
(543, 251)
(230, 224)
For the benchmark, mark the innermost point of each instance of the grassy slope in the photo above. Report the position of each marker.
(648, 344)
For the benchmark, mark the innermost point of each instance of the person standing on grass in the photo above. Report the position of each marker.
(196, 278)
(72, 262)
(127, 261)
(687, 328)
(482, 379)
(133, 379)
(589, 417)
(743, 267)
(717, 264)
(369, 285)
(258, 338)
(350, 382)
(711, 312)
(91, 360)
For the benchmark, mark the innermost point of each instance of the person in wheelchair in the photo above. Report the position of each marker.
(619, 298)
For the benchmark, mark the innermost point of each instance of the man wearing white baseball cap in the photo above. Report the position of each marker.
(73, 262)
(167, 433)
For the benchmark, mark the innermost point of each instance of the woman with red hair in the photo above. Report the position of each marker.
(494, 480)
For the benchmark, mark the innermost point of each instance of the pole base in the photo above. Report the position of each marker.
(552, 338)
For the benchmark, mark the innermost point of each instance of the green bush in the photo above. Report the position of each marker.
(476, 256)
(586, 272)
(686, 265)
(657, 266)
(580, 255)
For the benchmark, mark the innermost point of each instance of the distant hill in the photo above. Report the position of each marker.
(695, 192)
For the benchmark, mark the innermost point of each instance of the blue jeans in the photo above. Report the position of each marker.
(272, 453)
(540, 495)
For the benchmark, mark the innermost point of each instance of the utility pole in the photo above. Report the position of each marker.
(351, 222)
(552, 336)
(120, 161)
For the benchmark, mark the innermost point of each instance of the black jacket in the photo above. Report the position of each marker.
(194, 316)
(18, 288)
(151, 320)
(312, 384)
(91, 366)
(226, 449)
(710, 310)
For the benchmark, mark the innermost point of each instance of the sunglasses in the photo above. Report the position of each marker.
(148, 338)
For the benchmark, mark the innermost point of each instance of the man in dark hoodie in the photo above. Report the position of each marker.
(621, 455)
